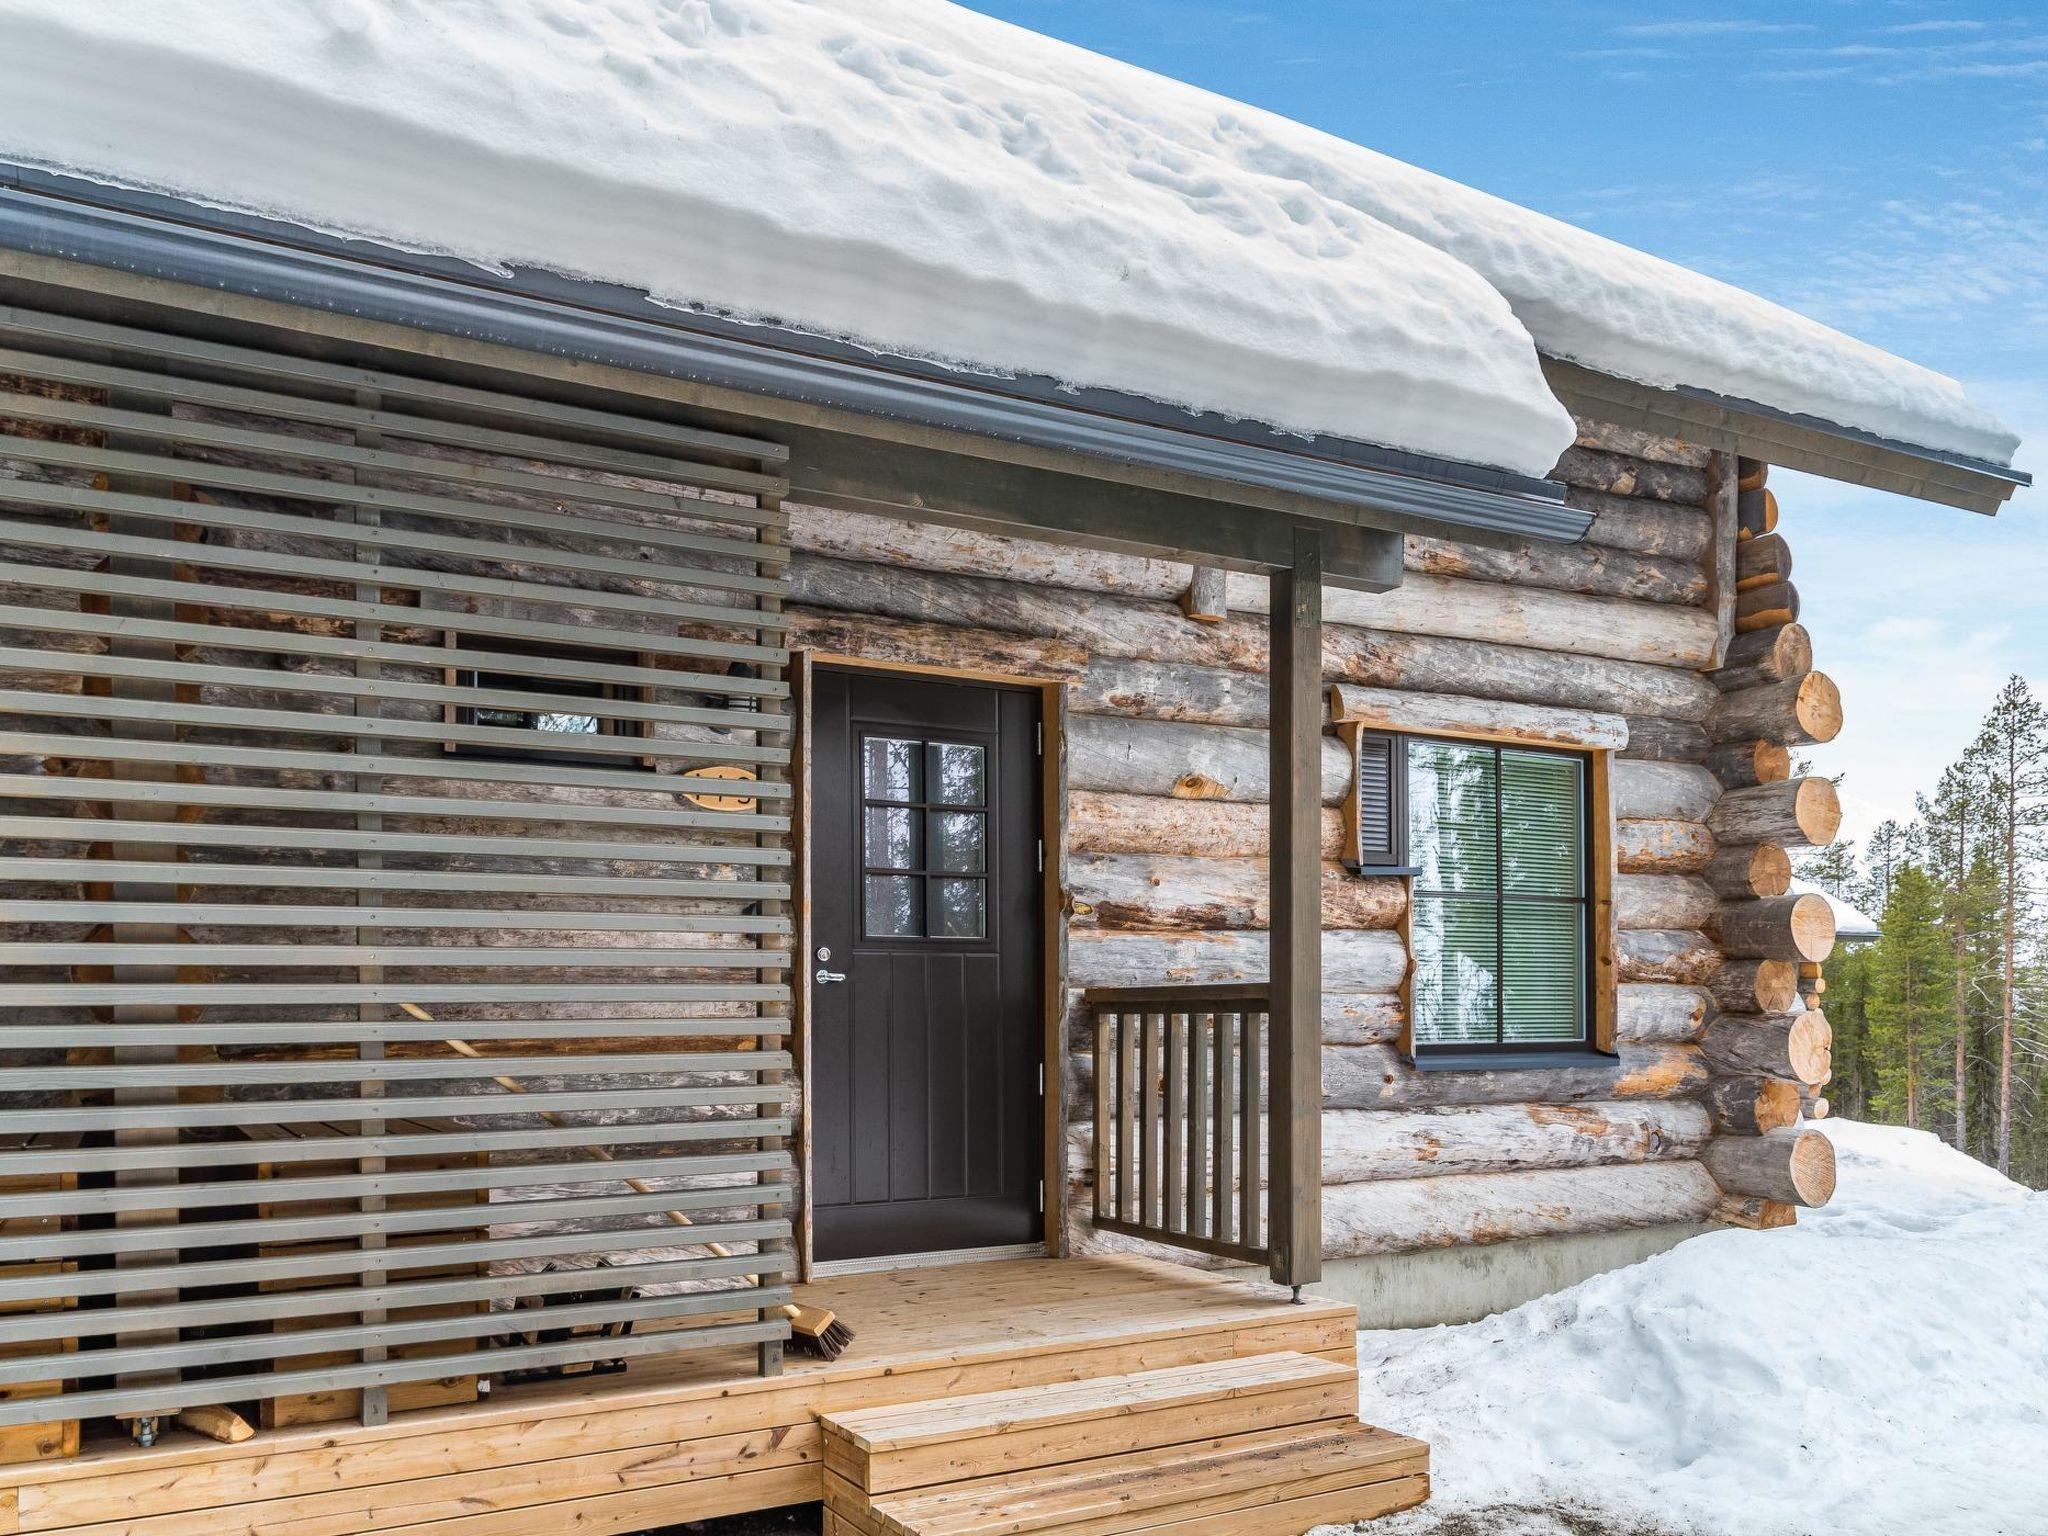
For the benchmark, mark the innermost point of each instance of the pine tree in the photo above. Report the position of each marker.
(1958, 829)
(1910, 992)
(2012, 751)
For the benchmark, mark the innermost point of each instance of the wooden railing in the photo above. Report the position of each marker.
(1186, 1119)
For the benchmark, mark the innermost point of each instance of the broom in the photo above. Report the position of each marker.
(813, 1330)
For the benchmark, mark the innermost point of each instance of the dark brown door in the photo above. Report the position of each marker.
(925, 1131)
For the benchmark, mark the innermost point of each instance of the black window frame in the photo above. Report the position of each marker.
(464, 673)
(1399, 862)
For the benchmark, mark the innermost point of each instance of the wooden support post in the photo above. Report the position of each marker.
(1295, 1093)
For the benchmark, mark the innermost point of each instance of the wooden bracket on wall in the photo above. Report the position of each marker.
(1204, 600)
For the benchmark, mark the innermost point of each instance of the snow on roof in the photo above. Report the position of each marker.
(928, 181)
(1852, 924)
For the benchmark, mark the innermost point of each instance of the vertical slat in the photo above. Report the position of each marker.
(1105, 1119)
(1127, 1080)
(1251, 1132)
(1223, 1178)
(769, 1351)
(1148, 1105)
(1295, 738)
(374, 1404)
(1173, 1143)
(1201, 1033)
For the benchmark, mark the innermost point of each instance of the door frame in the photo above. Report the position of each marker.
(1052, 904)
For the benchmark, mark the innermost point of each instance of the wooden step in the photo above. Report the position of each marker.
(1275, 1483)
(881, 1450)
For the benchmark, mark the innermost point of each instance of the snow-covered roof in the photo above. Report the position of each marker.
(1852, 924)
(928, 181)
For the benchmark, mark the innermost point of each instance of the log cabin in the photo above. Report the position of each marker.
(1103, 884)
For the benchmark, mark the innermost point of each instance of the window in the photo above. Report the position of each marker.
(552, 701)
(1495, 841)
(924, 839)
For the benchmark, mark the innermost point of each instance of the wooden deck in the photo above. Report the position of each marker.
(680, 1439)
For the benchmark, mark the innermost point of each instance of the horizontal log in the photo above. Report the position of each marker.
(1525, 674)
(1662, 901)
(1362, 1018)
(1662, 847)
(1744, 873)
(1756, 986)
(1803, 813)
(947, 647)
(1794, 1167)
(1591, 569)
(1753, 1106)
(1658, 1013)
(1383, 1077)
(1771, 655)
(1797, 712)
(928, 572)
(1406, 1215)
(1633, 442)
(1177, 893)
(1753, 1212)
(1165, 690)
(1794, 1046)
(1752, 474)
(1644, 526)
(1756, 511)
(1665, 954)
(1766, 607)
(1624, 475)
(1360, 1146)
(1373, 960)
(1776, 928)
(1187, 762)
(1761, 561)
(1100, 822)
(1388, 709)
(1665, 741)
(1740, 764)
(1662, 791)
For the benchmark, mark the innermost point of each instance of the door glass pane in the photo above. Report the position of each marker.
(890, 769)
(894, 906)
(957, 774)
(1545, 972)
(1457, 970)
(957, 909)
(890, 838)
(959, 841)
(1542, 823)
(1451, 816)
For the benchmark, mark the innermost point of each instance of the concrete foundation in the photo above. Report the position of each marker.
(1461, 1285)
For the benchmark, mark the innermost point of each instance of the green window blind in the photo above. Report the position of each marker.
(1497, 837)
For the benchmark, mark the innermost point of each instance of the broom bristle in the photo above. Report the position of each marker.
(814, 1331)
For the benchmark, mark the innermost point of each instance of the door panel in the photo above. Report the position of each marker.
(926, 1132)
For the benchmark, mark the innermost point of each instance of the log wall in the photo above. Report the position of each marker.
(1614, 639)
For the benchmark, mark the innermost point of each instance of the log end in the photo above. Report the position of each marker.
(1813, 1168)
(1818, 810)
(1812, 926)
(1810, 1047)
(1818, 708)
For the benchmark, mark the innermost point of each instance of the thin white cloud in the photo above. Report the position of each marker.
(1705, 27)
(1905, 28)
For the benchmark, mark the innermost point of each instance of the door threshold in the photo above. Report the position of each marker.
(945, 1256)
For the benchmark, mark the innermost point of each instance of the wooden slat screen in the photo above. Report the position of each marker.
(386, 982)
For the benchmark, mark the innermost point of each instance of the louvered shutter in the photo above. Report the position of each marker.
(1377, 817)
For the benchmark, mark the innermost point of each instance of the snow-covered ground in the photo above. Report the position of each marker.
(1879, 1370)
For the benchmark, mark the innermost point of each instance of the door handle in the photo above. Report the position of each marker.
(825, 978)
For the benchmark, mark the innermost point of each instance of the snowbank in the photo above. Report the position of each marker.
(1881, 1368)
(926, 180)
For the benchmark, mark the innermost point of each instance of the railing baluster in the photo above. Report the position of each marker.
(1104, 1123)
(1201, 1027)
(1148, 1183)
(1251, 1134)
(1127, 1119)
(1174, 1142)
(1225, 1186)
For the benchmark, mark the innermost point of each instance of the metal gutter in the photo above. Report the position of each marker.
(183, 242)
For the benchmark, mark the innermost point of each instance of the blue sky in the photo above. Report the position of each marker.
(1881, 165)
